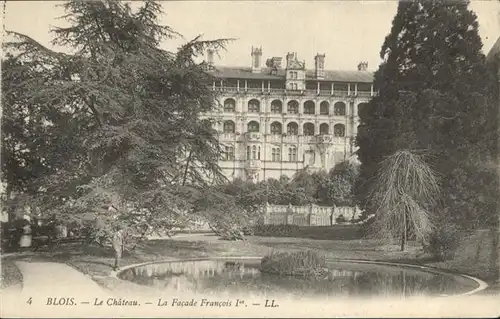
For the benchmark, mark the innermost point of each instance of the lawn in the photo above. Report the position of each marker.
(11, 275)
(473, 257)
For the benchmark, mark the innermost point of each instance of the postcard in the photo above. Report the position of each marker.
(250, 159)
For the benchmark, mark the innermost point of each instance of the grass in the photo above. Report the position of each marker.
(335, 232)
(299, 263)
(473, 255)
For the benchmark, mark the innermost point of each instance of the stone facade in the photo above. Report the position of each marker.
(310, 215)
(274, 121)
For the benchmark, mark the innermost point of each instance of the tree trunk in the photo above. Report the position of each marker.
(188, 162)
(403, 242)
(494, 256)
(404, 236)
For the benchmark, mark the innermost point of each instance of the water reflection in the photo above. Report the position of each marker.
(243, 276)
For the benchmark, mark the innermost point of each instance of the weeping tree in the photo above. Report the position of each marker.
(404, 194)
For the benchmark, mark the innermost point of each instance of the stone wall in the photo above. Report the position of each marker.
(310, 215)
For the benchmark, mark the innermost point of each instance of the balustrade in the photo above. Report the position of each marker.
(253, 136)
(337, 93)
(274, 138)
(227, 136)
(324, 138)
(291, 138)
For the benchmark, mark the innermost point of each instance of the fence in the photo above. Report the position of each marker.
(309, 215)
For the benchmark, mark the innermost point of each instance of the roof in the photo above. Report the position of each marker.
(494, 50)
(265, 74)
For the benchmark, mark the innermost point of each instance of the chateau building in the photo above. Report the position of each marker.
(274, 120)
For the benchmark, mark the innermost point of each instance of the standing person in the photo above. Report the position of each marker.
(118, 247)
(25, 240)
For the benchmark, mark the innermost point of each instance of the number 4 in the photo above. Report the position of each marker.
(29, 301)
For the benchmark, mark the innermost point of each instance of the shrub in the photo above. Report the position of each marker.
(232, 234)
(443, 242)
(248, 231)
(303, 263)
(341, 219)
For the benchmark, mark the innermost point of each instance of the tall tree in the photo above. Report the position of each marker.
(493, 60)
(341, 183)
(117, 122)
(435, 95)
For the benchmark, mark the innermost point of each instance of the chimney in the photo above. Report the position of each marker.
(256, 59)
(319, 66)
(289, 59)
(363, 66)
(210, 58)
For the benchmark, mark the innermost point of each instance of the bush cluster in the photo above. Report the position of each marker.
(341, 219)
(443, 242)
(303, 263)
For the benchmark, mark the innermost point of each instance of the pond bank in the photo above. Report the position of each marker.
(97, 262)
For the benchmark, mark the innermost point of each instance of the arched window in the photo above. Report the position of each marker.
(293, 107)
(339, 130)
(292, 154)
(362, 108)
(253, 106)
(292, 128)
(324, 129)
(276, 154)
(229, 105)
(254, 152)
(324, 108)
(253, 126)
(308, 129)
(229, 126)
(276, 106)
(309, 107)
(339, 108)
(276, 128)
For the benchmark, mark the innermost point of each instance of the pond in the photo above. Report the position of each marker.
(350, 279)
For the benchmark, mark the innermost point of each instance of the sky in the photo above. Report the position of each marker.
(347, 31)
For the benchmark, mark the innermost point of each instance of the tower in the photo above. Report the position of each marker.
(256, 59)
(319, 66)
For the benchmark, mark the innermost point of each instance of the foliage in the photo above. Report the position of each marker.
(443, 242)
(341, 184)
(302, 263)
(435, 94)
(341, 219)
(405, 193)
(111, 134)
(225, 215)
(322, 188)
(233, 234)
